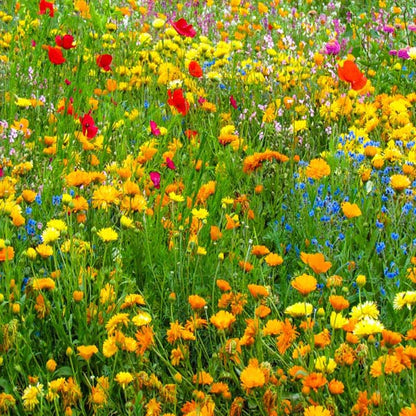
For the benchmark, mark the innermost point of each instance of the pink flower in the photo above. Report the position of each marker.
(170, 164)
(155, 178)
(154, 129)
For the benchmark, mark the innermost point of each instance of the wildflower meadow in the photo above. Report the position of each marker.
(207, 207)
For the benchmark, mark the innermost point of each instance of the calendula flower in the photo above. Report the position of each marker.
(107, 234)
(200, 213)
(350, 210)
(87, 351)
(44, 250)
(366, 309)
(399, 182)
(45, 283)
(196, 302)
(252, 376)
(304, 284)
(325, 365)
(273, 259)
(337, 321)
(368, 326)
(317, 169)
(299, 309)
(404, 299)
(223, 320)
(50, 235)
(31, 396)
(316, 411)
(316, 262)
(143, 318)
(123, 378)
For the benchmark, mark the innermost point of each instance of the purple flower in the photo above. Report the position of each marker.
(402, 53)
(388, 29)
(155, 178)
(332, 47)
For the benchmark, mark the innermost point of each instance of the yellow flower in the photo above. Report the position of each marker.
(107, 234)
(325, 365)
(109, 347)
(399, 182)
(51, 365)
(126, 222)
(123, 378)
(337, 321)
(366, 309)
(404, 299)
(57, 224)
(50, 235)
(143, 318)
(175, 197)
(30, 396)
(368, 326)
(44, 250)
(299, 309)
(201, 213)
(316, 411)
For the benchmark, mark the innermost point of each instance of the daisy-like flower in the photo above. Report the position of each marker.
(107, 234)
(299, 309)
(399, 182)
(123, 378)
(404, 299)
(201, 213)
(304, 284)
(368, 326)
(363, 310)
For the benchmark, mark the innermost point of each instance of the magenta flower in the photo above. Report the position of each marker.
(155, 178)
(154, 129)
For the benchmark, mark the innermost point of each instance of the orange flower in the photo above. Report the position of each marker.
(246, 266)
(196, 302)
(222, 320)
(336, 387)
(317, 169)
(408, 411)
(215, 233)
(223, 285)
(258, 291)
(390, 338)
(202, 378)
(350, 210)
(314, 381)
(338, 302)
(349, 72)
(316, 262)
(260, 250)
(273, 259)
(6, 253)
(87, 351)
(304, 284)
(252, 376)
(262, 311)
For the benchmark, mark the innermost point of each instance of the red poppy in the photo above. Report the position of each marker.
(104, 61)
(44, 6)
(177, 100)
(89, 128)
(195, 70)
(182, 27)
(349, 72)
(66, 41)
(55, 55)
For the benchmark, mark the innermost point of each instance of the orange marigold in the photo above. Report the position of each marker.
(304, 284)
(339, 303)
(196, 302)
(317, 169)
(316, 262)
(258, 291)
(252, 376)
(223, 320)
